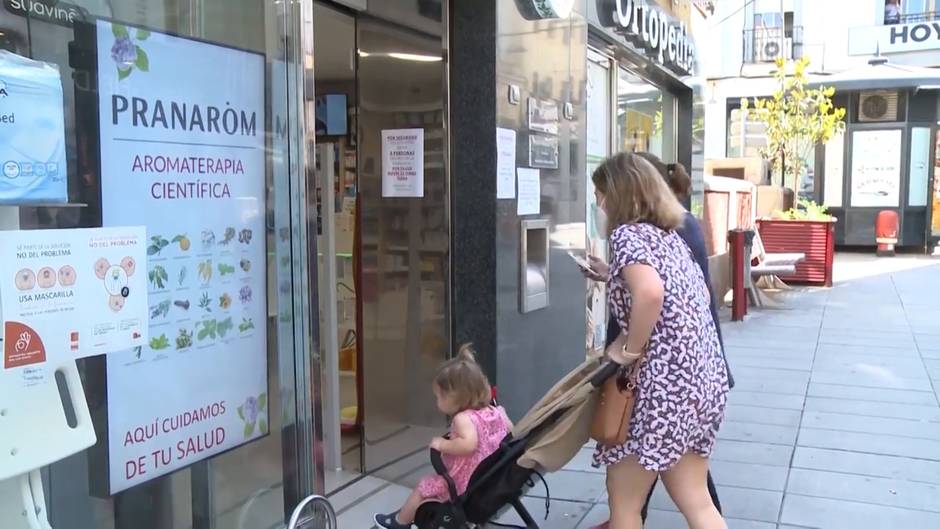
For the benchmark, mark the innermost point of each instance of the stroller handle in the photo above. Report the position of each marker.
(606, 371)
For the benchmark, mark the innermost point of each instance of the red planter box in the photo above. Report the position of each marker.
(816, 239)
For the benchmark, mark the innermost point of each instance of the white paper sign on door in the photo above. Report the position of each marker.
(193, 171)
(505, 163)
(403, 163)
(876, 168)
(530, 191)
(72, 293)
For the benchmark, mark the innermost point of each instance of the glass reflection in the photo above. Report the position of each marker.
(246, 486)
(645, 117)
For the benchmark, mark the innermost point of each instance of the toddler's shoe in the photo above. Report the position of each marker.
(390, 521)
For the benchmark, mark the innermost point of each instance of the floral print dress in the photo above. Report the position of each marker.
(682, 385)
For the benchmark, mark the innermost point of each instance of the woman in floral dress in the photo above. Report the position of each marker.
(659, 297)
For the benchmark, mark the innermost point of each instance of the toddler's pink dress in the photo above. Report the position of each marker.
(492, 427)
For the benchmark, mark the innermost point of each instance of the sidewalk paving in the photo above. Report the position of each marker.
(834, 422)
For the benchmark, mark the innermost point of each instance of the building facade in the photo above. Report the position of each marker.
(881, 63)
(310, 205)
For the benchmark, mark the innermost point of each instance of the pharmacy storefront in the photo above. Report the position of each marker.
(153, 286)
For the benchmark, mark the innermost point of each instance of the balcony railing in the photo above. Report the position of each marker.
(765, 45)
(914, 18)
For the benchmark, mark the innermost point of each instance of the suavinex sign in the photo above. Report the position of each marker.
(649, 27)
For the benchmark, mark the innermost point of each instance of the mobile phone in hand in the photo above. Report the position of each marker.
(581, 262)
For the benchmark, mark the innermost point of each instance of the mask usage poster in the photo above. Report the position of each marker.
(182, 151)
(68, 294)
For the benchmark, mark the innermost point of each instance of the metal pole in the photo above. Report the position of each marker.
(329, 339)
(783, 48)
(739, 296)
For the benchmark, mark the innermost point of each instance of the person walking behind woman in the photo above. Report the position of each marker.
(679, 182)
(660, 300)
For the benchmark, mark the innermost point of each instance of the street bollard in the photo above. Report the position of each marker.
(739, 262)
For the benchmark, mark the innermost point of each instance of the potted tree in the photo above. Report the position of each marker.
(797, 119)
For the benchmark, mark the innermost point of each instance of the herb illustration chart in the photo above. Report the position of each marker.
(201, 293)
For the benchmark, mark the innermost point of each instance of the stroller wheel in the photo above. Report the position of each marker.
(314, 512)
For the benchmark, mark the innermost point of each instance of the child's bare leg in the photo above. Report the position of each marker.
(408, 511)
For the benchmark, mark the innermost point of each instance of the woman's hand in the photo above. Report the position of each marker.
(599, 270)
(615, 352)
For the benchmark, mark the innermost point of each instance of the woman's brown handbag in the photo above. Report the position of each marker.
(611, 426)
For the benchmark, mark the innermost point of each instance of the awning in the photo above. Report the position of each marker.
(879, 74)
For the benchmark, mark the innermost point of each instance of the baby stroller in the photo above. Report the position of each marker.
(549, 436)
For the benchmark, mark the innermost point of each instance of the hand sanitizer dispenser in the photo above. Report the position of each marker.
(42, 421)
(533, 265)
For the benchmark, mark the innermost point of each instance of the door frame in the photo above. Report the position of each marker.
(847, 183)
(931, 240)
(303, 457)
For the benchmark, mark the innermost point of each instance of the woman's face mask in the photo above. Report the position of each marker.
(600, 216)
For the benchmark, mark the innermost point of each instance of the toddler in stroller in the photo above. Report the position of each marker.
(462, 392)
(545, 440)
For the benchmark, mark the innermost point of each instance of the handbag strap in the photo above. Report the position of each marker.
(634, 372)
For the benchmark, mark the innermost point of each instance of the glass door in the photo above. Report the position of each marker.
(599, 83)
(646, 117)
(934, 206)
(337, 229)
(876, 168)
(915, 7)
(405, 241)
(185, 119)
